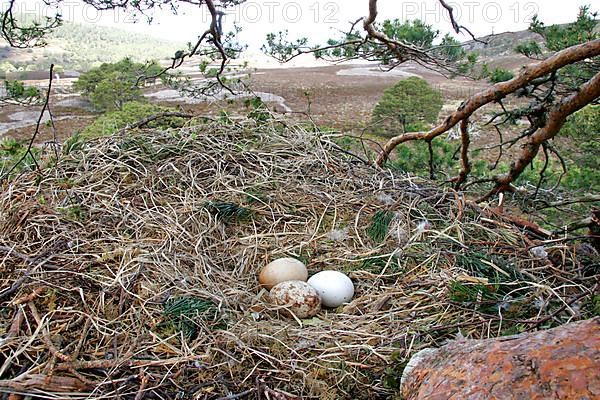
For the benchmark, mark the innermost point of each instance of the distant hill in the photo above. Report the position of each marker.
(80, 47)
(501, 44)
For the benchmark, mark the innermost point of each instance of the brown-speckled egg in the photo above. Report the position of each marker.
(281, 270)
(297, 297)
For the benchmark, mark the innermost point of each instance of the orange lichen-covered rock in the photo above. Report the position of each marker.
(560, 363)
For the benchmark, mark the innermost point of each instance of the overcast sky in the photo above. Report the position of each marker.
(320, 19)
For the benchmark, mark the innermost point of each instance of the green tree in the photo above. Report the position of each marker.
(407, 106)
(583, 146)
(451, 49)
(110, 86)
(414, 32)
(560, 37)
(114, 91)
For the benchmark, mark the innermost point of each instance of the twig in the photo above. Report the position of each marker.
(431, 166)
(30, 297)
(585, 199)
(33, 265)
(15, 326)
(565, 305)
(455, 24)
(238, 395)
(144, 379)
(37, 129)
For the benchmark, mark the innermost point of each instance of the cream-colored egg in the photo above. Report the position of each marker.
(297, 297)
(334, 288)
(282, 270)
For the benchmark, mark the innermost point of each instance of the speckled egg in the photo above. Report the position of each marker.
(281, 270)
(297, 297)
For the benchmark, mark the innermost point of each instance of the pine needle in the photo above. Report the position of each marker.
(380, 225)
(228, 211)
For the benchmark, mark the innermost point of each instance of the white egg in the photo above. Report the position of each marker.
(335, 288)
(282, 270)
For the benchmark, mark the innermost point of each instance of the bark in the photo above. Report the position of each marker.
(465, 164)
(40, 383)
(560, 363)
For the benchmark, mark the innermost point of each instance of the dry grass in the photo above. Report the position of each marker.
(98, 247)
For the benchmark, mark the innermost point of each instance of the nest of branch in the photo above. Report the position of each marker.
(129, 269)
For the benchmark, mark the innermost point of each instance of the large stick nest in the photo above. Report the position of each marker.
(129, 269)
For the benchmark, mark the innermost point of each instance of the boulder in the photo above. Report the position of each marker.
(559, 363)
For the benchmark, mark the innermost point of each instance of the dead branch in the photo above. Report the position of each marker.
(585, 199)
(527, 226)
(457, 27)
(15, 326)
(542, 129)
(37, 129)
(46, 335)
(535, 323)
(464, 155)
(555, 120)
(431, 166)
(563, 165)
(402, 51)
(542, 172)
(30, 297)
(238, 395)
(44, 383)
(213, 35)
(33, 266)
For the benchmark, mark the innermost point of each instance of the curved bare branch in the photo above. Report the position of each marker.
(497, 92)
(556, 118)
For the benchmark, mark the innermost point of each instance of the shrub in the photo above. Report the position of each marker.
(529, 49)
(18, 90)
(6, 67)
(11, 151)
(408, 105)
(500, 75)
(414, 158)
(131, 113)
(110, 86)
